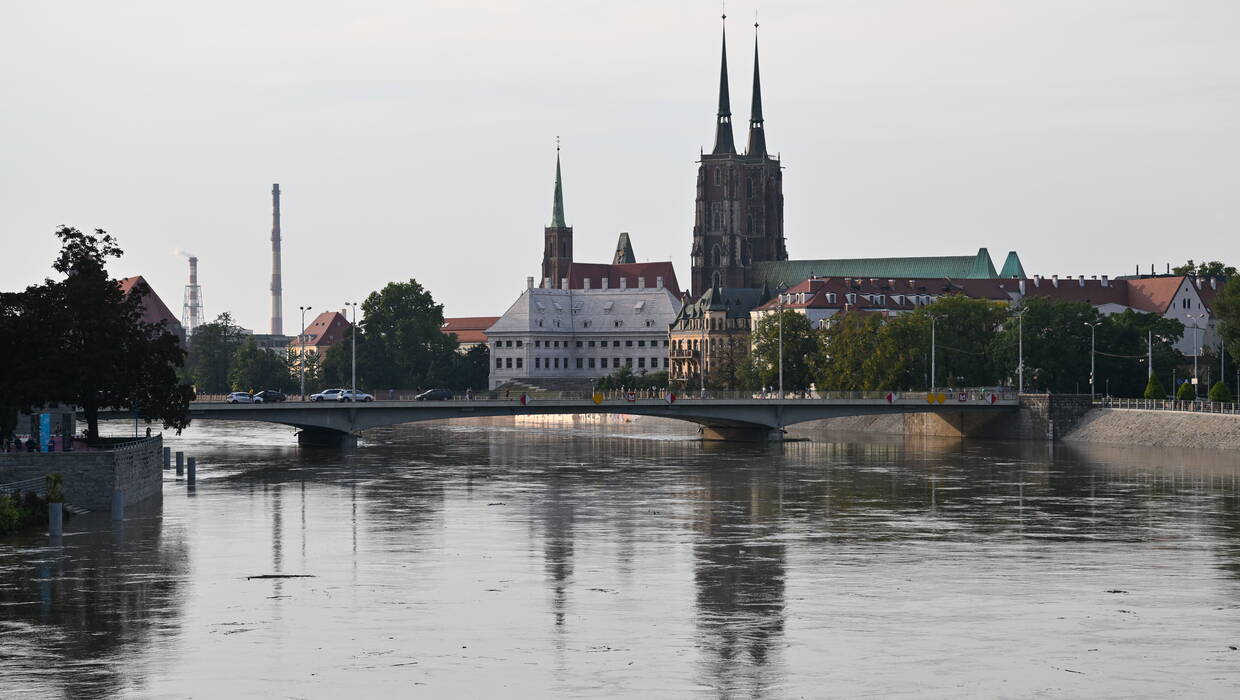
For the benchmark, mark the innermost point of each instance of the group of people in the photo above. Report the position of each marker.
(16, 445)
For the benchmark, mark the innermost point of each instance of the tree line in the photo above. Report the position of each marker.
(977, 343)
(399, 346)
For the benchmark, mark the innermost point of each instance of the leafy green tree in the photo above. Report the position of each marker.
(1214, 268)
(1227, 309)
(1056, 344)
(471, 369)
(729, 366)
(1220, 393)
(1186, 392)
(800, 344)
(400, 343)
(258, 369)
(901, 356)
(1122, 350)
(621, 378)
(1154, 388)
(845, 346)
(964, 331)
(211, 352)
(83, 341)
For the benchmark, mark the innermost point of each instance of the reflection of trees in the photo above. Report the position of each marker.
(96, 605)
(739, 574)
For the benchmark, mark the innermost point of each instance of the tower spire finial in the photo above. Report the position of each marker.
(557, 207)
(757, 134)
(724, 144)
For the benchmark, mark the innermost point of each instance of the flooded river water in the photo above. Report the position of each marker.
(488, 559)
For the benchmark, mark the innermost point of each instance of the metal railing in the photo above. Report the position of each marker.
(943, 396)
(35, 485)
(1199, 406)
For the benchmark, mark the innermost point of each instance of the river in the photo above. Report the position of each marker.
(571, 560)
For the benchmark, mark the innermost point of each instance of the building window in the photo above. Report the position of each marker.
(538, 343)
(603, 362)
(591, 343)
(499, 364)
(619, 323)
(509, 363)
(519, 343)
(664, 363)
(718, 176)
(641, 362)
(641, 343)
(519, 362)
(665, 342)
(628, 362)
(537, 363)
(579, 360)
(578, 343)
(628, 343)
(615, 362)
(592, 363)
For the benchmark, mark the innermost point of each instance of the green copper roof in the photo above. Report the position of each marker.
(790, 272)
(1012, 267)
(557, 209)
(624, 251)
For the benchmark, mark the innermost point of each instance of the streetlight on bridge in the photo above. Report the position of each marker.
(1092, 352)
(1020, 350)
(353, 331)
(301, 350)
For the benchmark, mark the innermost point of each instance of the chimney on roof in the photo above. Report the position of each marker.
(1037, 280)
(604, 281)
(1105, 282)
(1138, 271)
(1081, 279)
(1200, 282)
(1022, 287)
(563, 283)
(624, 282)
(1213, 283)
(1168, 268)
(1055, 280)
(847, 281)
(1151, 269)
(586, 283)
(658, 281)
(911, 285)
(546, 283)
(529, 282)
(641, 282)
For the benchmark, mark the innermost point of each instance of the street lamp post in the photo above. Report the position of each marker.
(1196, 349)
(781, 346)
(933, 374)
(1020, 350)
(353, 331)
(1093, 327)
(702, 355)
(301, 350)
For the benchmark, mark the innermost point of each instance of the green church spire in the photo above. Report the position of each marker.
(557, 209)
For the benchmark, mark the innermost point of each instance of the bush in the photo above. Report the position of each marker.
(1186, 392)
(1154, 388)
(1219, 393)
(21, 511)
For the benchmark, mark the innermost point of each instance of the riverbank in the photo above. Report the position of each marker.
(1127, 426)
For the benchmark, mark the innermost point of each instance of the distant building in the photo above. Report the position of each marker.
(154, 310)
(581, 334)
(327, 329)
(470, 331)
(711, 328)
(272, 343)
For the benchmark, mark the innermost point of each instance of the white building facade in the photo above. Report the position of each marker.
(582, 334)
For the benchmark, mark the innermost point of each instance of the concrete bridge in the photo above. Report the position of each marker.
(747, 419)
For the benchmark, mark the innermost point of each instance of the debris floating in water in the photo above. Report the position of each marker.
(247, 578)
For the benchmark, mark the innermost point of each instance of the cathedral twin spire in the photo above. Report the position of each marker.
(724, 144)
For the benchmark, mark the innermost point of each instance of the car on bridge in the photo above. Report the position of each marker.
(341, 395)
(243, 397)
(271, 396)
(434, 395)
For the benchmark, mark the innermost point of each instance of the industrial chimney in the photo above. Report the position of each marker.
(277, 305)
(191, 310)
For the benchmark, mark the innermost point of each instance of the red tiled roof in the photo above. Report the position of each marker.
(468, 329)
(153, 308)
(326, 329)
(1090, 291)
(578, 273)
(1153, 293)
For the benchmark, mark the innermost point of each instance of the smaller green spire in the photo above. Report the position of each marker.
(557, 209)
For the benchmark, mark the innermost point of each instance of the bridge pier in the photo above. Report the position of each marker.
(731, 433)
(318, 437)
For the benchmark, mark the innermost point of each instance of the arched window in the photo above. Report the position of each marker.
(563, 249)
(715, 256)
(718, 176)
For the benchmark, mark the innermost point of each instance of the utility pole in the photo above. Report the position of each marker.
(1020, 350)
(353, 331)
(1093, 394)
(1196, 351)
(933, 375)
(301, 350)
(702, 353)
(1150, 348)
(781, 346)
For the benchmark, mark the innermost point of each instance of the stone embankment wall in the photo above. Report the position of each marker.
(1128, 426)
(90, 477)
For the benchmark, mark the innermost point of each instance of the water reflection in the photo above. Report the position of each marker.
(476, 558)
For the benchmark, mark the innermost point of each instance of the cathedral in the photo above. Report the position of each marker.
(739, 215)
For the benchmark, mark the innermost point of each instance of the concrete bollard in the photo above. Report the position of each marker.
(191, 469)
(118, 505)
(167, 458)
(55, 519)
(180, 463)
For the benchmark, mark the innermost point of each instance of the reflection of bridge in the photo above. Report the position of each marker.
(721, 419)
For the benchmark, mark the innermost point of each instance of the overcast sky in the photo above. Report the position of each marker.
(417, 139)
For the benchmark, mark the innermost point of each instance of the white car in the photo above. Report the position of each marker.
(352, 395)
(243, 397)
(328, 395)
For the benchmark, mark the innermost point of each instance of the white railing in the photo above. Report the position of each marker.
(37, 485)
(1170, 405)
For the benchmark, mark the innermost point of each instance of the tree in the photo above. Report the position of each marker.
(211, 352)
(257, 369)
(845, 346)
(400, 343)
(799, 344)
(901, 357)
(1056, 344)
(1154, 388)
(964, 329)
(1219, 393)
(83, 341)
(1122, 350)
(1214, 268)
(1186, 392)
(1227, 310)
(729, 362)
(471, 369)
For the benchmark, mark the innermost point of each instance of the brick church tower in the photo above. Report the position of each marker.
(739, 217)
(558, 237)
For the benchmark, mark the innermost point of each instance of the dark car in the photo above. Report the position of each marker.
(434, 395)
(271, 395)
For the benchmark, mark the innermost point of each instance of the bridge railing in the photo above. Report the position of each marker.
(944, 396)
(1199, 406)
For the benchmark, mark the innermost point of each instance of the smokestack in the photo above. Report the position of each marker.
(277, 304)
(191, 309)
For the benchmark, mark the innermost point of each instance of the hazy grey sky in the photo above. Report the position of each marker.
(417, 139)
